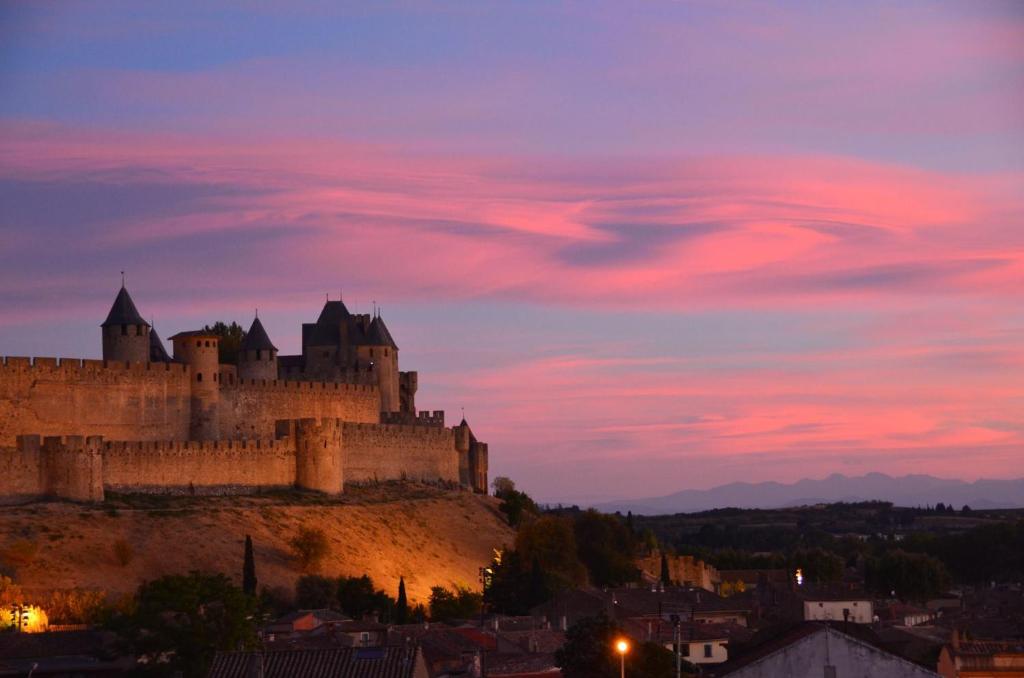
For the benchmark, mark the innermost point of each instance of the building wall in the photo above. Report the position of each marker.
(250, 409)
(807, 658)
(130, 401)
(694, 651)
(388, 452)
(861, 611)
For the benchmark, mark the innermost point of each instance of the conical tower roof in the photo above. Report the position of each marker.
(157, 352)
(123, 312)
(377, 334)
(256, 338)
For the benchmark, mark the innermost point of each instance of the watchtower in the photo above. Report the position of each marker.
(257, 356)
(199, 350)
(125, 333)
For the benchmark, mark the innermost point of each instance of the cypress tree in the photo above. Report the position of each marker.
(249, 569)
(402, 604)
(666, 579)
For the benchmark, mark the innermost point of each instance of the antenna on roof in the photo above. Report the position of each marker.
(122, 278)
(374, 308)
(257, 311)
(463, 412)
(327, 297)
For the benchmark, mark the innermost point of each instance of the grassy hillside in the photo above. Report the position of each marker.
(427, 535)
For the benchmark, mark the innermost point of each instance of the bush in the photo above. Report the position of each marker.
(76, 606)
(462, 603)
(123, 552)
(309, 547)
(21, 552)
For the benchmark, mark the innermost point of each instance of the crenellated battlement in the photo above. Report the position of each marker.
(79, 367)
(290, 386)
(422, 418)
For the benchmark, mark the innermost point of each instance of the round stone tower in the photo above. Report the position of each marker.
(125, 333)
(257, 356)
(318, 455)
(199, 350)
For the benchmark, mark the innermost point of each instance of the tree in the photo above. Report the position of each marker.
(309, 547)
(551, 541)
(666, 578)
(818, 565)
(911, 576)
(314, 592)
(401, 604)
(446, 606)
(249, 569)
(180, 621)
(589, 652)
(358, 598)
(512, 588)
(965, 510)
(503, 486)
(231, 337)
(605, 547)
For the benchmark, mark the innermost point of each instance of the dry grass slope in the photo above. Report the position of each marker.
(427, 535)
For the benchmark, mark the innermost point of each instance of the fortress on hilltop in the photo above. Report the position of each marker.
(141, 421)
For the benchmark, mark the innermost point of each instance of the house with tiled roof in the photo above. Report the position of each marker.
(962, 658)
(340, 662)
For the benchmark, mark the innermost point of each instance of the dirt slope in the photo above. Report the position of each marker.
(427, 535)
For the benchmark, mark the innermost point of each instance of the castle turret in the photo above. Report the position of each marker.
(379, 350)
(157, 352)
(125, 333)
(199, 350)
(318, 453)
(257, 356)
(473, 458)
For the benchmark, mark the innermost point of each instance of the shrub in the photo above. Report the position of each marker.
(309, 547)
(123, 552)
(21, 552)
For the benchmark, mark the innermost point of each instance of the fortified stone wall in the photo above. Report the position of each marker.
(21, 471)
(388, 452)
(131, 401)
(250, 408)
(203, 467)
(313, 454)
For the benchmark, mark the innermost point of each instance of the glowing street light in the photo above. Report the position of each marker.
(622, 647)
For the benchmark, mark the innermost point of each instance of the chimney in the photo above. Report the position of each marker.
(563, 623)
(955, 640)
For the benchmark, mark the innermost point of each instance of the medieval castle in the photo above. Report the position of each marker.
(141, 421)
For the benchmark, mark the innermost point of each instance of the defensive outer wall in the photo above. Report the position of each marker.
(74, 429)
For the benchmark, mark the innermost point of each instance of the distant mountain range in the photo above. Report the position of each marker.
(913, 490)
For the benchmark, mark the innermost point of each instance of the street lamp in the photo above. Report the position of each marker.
(622, 647)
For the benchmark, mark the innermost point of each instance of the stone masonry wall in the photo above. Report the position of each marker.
(21, 473)
(388, 452)
(203, 467)
(128, 401)
(249, 409)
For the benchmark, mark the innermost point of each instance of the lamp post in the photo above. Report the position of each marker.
(622, 647)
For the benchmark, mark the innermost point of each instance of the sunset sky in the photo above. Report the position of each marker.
(647, 246)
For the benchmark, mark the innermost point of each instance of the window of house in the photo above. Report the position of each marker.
(199, 344)
(707, 650)
(684, 650)
(365, 637)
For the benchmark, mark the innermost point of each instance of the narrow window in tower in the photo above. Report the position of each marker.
(124, 330)
(259, 354)
(199, 376)
(199, 344)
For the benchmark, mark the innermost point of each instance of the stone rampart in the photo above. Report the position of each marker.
(138, 401)
(394, 452)
(178, 467)
(250, 408)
